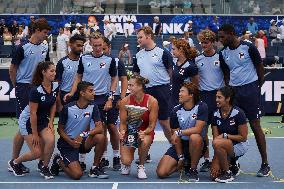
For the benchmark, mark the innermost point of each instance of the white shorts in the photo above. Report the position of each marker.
(241, 148)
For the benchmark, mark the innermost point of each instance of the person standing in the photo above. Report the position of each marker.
(184, 68)
(62, 44)
(67, 67)
(155, 64)
(24, 62)
(113, 114)
(252, 26)
(211, 79)
(243, 70)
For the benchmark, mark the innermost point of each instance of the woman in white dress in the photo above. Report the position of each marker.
(259, 43)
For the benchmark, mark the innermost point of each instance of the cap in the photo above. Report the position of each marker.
(67, 25)
(78, 25)
(190, 22)
(248, 32)
(166, 43)
(156, 18)
(126, 45)
(271, 21)
(105, 19)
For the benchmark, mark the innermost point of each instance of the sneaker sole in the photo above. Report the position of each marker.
(262, 175)
(193, 180)
(224, 181)
(45, 177)
(99, 177)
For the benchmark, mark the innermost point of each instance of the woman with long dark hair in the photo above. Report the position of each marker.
(36, 121)
(230, 133)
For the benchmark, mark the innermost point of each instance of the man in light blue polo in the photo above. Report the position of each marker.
(243, 70)
(24, 62)
(252, 26)
(155, 64)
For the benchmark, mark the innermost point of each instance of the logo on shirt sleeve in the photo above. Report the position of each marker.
(42, 98)
(87, 114)
(102, 65)
(241, 55)
(218, 122)
(217, 63)
(232, 122)
(181, 71)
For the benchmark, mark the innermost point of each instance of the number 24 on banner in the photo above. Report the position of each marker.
(4, 91)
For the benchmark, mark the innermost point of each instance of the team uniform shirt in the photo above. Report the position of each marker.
(241, 62)
(76, 120)
(184, 119)
(45, 101)
(26, 57)
(153, 65)
(97, 70)
(181, 74)
(210, 74)
(231, 123)
(66, 70)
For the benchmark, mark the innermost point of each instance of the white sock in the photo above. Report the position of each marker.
(82, 157)
(93, 167)
(105, 155)
(14, 162)
(206, 159)
(115, 153)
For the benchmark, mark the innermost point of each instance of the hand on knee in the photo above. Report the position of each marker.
(36, 153)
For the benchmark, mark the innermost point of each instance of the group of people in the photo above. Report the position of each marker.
(185, 94)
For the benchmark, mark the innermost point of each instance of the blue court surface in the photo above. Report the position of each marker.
(249, 163)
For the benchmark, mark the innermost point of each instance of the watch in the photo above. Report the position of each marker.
(181, 157)
(225, 135)
(178, 133)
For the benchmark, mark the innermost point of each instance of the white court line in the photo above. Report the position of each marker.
(115, 184)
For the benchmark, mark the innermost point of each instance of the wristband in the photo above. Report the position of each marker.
(225, 135)
(178, 133)
(110, 95)
(181, 157)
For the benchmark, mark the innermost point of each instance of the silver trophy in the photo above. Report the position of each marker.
(133, 121)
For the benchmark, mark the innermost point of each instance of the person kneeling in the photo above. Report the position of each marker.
(74, 119)
(188, 122)
(138, 117)
(230, 132)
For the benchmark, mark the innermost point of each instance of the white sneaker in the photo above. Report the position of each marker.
(125, 170)
(141, 172)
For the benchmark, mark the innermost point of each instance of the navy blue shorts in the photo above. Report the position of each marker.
(113, 113)
(70, 154)
(209, 97)
(22, 93)
(25, 125)
(247, 97)
(163, 94)
(185, 149)
(106, 116)
(71, 99)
